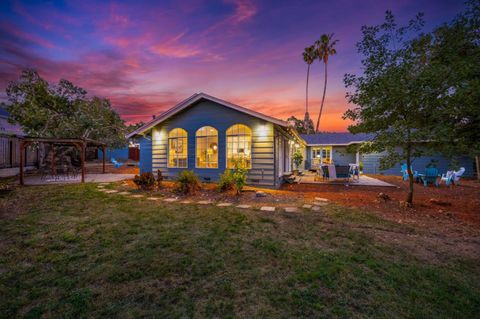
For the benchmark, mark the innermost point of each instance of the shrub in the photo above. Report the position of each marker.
(226, 181)
(187, 182)
(234, 179)
(145, 181)
(159, 178)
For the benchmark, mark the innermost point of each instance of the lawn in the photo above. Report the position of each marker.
(72, 251)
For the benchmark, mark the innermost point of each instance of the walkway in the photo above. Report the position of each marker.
(89, 178)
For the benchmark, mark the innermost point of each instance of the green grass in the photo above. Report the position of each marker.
(71, 251)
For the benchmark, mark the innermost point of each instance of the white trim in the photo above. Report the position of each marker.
(336, 144)
(195, 98)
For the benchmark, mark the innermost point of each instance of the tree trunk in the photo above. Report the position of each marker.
(477, 161)
(306, 117)
(323, 99)
(410, 178)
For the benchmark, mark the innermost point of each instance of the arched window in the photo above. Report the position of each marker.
(207, 147)
(177, 148)
(239, 146)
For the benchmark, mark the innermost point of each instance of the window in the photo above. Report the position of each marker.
(207, 147)
(177, 148)
(322, 155)
(239, 146)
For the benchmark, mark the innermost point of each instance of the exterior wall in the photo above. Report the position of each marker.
(120, 154)
(145, 163)
(340, 156)
(371, 164)
(207, 113)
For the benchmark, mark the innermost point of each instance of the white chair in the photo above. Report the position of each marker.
(453, 177)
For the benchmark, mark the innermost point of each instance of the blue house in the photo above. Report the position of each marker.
(208, 135)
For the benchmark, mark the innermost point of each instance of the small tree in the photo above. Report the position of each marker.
(393, 95)
(297, 158)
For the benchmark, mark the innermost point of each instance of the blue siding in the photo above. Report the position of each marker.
(371, 164)
(207, 113)
(145, 154)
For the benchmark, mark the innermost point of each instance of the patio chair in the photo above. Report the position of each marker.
(343, 171)
(452, 177)
(431, 176)
(404, 172)
(116, 163)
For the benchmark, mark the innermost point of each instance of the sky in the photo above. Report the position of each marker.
(146, 56)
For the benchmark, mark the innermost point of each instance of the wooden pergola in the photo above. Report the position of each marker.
(80, 143)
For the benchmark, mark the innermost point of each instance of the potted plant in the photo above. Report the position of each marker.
(297, 161)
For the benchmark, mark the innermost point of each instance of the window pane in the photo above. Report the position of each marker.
(239, 141)
(177, 148)
(207, 147)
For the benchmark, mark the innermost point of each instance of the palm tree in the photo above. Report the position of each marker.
(325, 47)
(309, 56)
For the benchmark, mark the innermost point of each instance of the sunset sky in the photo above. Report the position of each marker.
(146, 56)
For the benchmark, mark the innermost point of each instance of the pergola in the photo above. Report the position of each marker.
(80, 143)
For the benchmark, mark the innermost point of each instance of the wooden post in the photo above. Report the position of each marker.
(82, 160)
(53, 160)
(477, 161)
(103, 162)
(22, 146)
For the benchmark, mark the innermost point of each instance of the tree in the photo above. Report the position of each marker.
(309, 56)
(302, 127)
(394, 95)
(325, 48)
(62, 111)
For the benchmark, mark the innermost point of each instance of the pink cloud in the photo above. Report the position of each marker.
(174, 49)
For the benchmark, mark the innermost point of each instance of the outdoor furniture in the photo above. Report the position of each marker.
(355, 171)
(404, 171)
(343, 171)
(431, 176)
(288, 178)
(116, 163)
(452, 177)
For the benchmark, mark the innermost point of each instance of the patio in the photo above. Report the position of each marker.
(363, 180)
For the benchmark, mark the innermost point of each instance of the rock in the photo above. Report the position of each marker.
(267, 208)
(405, 204)
(260, 194)
(320, 204)
(204, 202)
(307, 206)
(383, 196)
(321, 199)
(291, 209)
(170, 200)
(224, 204)
(244, 206)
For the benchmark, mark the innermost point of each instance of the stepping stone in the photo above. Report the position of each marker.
(320, 204)
(204, 202)
(186, 202)
(244, 206)
(268, 208)
(224, 204)
(316, 209)
(137, 196)
(291, 209)
(321, 199)
(124, 193)
(100, 186)
(170, 200)
(153, 198)
(111, 191)
(308, 206)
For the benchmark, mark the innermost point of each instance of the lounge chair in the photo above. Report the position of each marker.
(431, 176)
(404, 172)
(452, 177)
(116, 163)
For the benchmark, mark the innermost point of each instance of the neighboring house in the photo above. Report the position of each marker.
(207, 135)
(331, 148)
(10, 135)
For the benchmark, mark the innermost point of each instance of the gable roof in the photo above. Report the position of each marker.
(195, 98)
(335, 138)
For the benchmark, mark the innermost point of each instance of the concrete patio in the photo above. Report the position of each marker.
(89, 178)
(363, 180)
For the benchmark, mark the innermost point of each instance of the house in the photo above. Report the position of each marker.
(208, 135)
(332, 148)
(10, 135)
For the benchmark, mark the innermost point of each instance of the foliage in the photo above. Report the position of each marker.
(240, 173)
(187, 182)
(309, 55)
(134, 126)
(226, 181)
(62, 111)
(297, 158)
(300, 126)
(145, 181)
(159, 178)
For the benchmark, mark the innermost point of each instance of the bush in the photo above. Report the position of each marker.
(187, 182)
(159, 178)
(297, 158)
(145, 181)
(226, 181)
(234, 179)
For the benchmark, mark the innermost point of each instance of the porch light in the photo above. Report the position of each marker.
(262, 130)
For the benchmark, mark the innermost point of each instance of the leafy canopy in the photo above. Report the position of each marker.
(62, 111)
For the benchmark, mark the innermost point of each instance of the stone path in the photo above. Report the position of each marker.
(316, 206)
